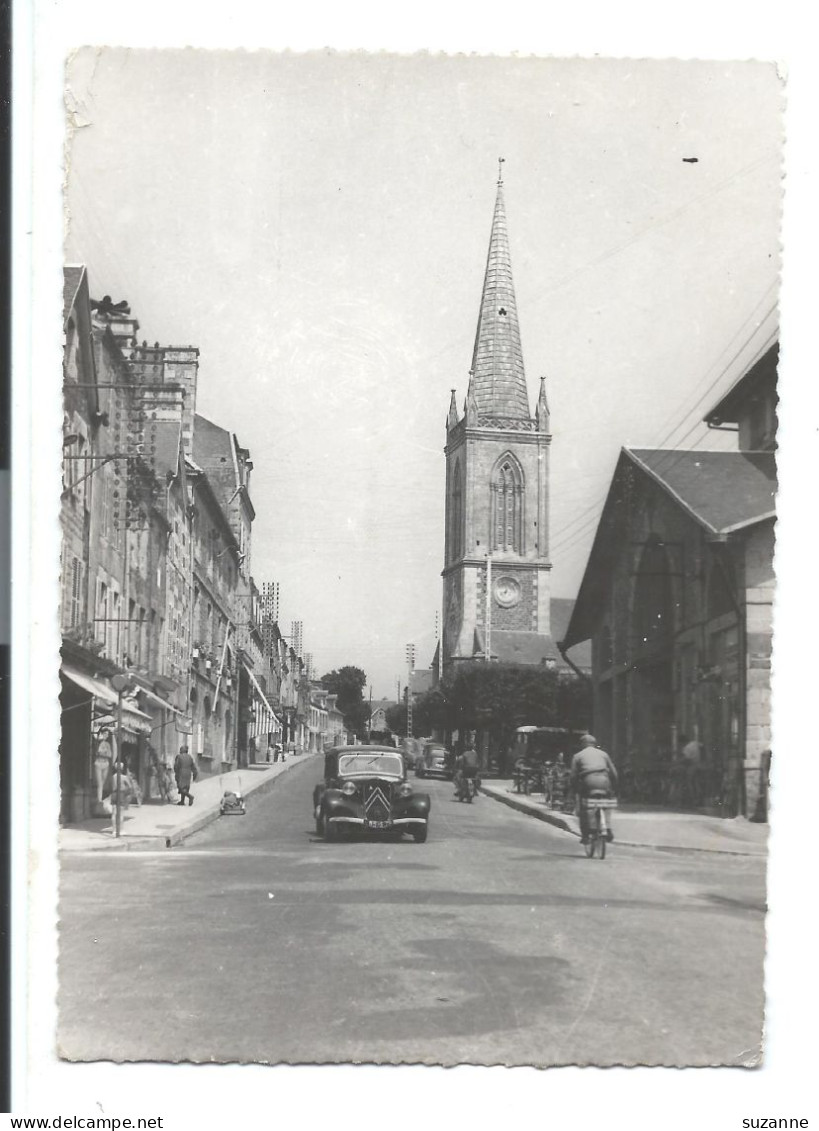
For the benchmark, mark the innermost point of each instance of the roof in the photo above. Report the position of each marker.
(211, 444)
(215, 449)
(735, 401)
(72, 279)
(509, 647)
(723, 491)
(381, 705)
(421, 680)
(167, 434)
(560, 614)
(499, 381)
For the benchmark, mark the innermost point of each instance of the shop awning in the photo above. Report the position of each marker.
(262, 695)
(152, 697)
(88, 683)
(133, 720)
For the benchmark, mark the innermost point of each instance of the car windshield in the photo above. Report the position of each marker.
(383, 765)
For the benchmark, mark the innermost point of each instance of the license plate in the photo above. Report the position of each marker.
(378, 824)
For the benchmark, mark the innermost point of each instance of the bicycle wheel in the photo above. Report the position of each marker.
(591, 843)
(602, 833)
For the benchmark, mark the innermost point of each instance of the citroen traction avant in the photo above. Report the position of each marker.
(365, 790)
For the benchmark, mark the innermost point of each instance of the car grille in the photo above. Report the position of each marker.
(377, 805)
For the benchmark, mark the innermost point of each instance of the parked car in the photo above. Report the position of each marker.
(435, 762)
(365, 788)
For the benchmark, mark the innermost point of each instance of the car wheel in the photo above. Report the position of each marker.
(419, 835)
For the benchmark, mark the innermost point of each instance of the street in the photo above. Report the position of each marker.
(496, 942)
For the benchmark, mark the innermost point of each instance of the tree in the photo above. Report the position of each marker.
(348, 685)
(428, 711)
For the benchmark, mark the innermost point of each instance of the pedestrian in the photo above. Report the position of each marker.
(271, 753)
(102, 761)
(185, 771)
(692, 757)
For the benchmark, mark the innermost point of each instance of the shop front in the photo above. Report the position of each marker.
(96, 731)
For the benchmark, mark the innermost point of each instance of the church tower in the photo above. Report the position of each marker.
(496, 596)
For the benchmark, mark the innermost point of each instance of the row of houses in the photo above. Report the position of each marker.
(166, 638)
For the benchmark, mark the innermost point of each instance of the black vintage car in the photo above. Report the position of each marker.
(365, 788)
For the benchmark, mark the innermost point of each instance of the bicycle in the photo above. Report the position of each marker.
(599, 824)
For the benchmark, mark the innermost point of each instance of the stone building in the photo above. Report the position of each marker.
(677, 601)
(213, 690)
(114, 552)
(226, 467)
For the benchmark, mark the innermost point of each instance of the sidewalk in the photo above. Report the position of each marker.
(665, 830)
(158, 825)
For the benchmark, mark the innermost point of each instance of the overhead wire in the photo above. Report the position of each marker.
(577, 529)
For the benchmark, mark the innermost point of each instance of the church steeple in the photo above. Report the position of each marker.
(496, 599)
(499, 383)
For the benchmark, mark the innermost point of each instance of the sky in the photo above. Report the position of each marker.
(317, 225)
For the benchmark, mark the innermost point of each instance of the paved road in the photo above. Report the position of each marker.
(495, 942)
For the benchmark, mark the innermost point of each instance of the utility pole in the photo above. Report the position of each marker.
(488, 632)
(410, 666)
(370, 716)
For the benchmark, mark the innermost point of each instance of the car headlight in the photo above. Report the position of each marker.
(348, 789)
(405, 789)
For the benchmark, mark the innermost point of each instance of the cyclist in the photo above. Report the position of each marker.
(593, 775)
(466, 766)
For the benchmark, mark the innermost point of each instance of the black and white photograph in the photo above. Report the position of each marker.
(417, 558)
(412, 568)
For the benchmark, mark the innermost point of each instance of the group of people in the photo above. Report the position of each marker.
(185, 770)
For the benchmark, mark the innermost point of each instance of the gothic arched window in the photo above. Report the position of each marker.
(507, 505)
(456, 529)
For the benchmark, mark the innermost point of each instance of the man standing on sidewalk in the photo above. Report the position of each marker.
(185, 771)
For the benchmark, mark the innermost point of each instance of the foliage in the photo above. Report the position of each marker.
(348, 685)
(498, 698)
(428, 711)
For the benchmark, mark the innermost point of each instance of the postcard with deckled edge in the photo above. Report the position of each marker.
(419, 427)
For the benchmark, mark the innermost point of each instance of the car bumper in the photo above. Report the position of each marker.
(342, 820)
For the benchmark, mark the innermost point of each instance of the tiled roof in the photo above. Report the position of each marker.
(499, 382)
(724, 491)
(72, 277)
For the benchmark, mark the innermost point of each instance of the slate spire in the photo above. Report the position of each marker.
(499, 382)
(452, 416)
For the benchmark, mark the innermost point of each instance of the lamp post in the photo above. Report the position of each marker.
(120, 684)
